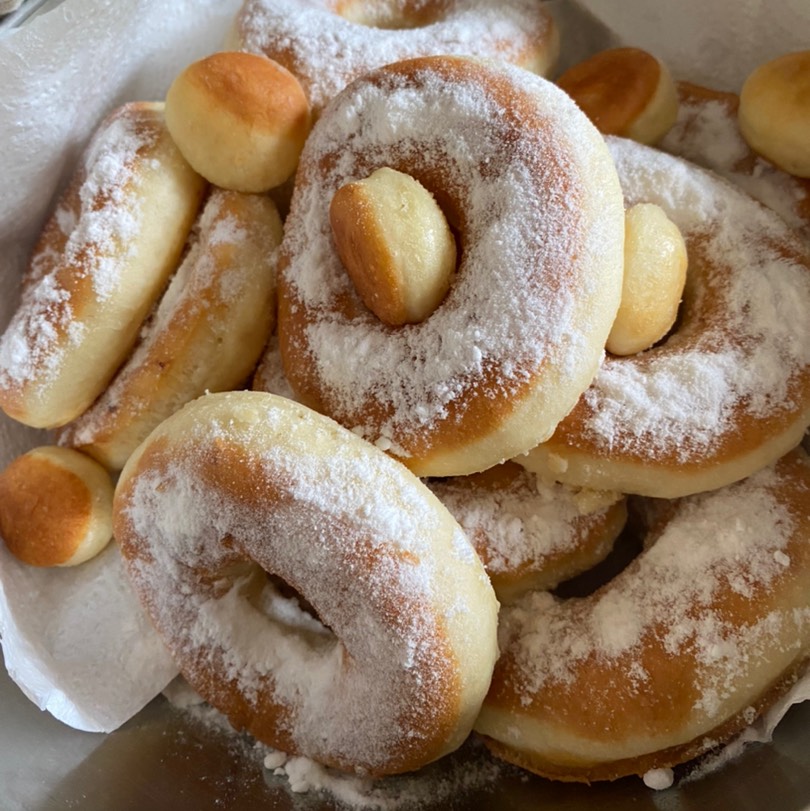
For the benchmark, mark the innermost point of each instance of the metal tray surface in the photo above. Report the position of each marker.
(165, 759)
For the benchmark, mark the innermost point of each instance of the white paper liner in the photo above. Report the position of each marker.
(76, 640)
(93, 661)
(78, 643)
(712, 42)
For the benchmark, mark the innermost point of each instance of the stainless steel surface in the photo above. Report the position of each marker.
(166, 760)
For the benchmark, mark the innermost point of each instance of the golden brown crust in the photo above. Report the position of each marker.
(624, 91)
(206, 335)
(676, 654)
(55, 507)
(103, 258)
(239, 119)
(774, 113)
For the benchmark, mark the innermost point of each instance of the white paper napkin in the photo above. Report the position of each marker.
(76, 640)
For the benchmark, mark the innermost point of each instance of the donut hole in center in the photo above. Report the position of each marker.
(391, 15)
(276, 599)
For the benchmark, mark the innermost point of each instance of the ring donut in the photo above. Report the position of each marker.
(526, 183)
(728, 392)
(678, 653)
(531, 534)
(238, 482)
(103, 258)
(707, 132)
(327, 44)
(206, 334)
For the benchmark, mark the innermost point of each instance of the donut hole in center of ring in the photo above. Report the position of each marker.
(391, 15)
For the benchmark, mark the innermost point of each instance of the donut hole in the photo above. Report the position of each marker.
(391, 15)
(394, 241)
(281, 602)
(626, 548)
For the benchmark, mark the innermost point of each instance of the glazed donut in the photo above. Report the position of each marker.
(675, 655)
(103, 258)
(624, 91)
(239, 119)
(707, 132)
(774, 112)
(728, 391)
(531, 534)
(327, 44)
(241, 482)
(55, 507)
(527, 185)
(206, 335)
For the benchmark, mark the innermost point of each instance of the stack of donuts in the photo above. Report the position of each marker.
(392, 334)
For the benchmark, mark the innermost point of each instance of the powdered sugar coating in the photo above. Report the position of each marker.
(320, 43)
(707, 133)
(752, 354)
(520, 173)
(94, 236)
(523, 526)
(382, 686)
(729, 390)
(205, 334)
(678, 651)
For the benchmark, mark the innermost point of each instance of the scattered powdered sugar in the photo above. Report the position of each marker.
(95, 237)
(683, 396)
(707, 133)
(326, 51)
(659, 779)
(526, 520)
(730, 540)
(510, 311)
(468, 770)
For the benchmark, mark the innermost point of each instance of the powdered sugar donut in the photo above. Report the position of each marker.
(103, 258)
(207, 333)
(707, 132)
(528, 186)
(327, 44)
(728, 391)
(394, 673)
(676, 654)
(531, 534)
